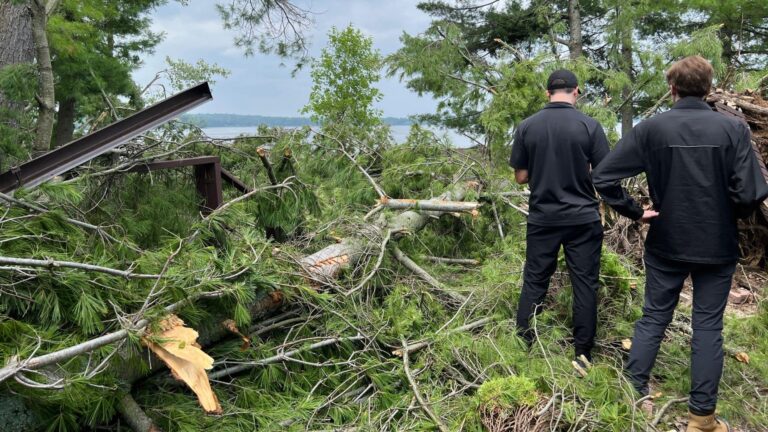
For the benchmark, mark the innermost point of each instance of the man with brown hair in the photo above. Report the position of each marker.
(702, 175)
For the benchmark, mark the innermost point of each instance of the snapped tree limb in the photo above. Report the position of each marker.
(460, 261)
(426, 277)
(128, 274)
(37, 362)
(423, 344)
(242, 367)
(325, 265)
(177, 348)
(431, 205)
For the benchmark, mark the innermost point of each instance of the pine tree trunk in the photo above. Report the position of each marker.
(628, 110)
(46, 97)
(325, 265)
(65, 123)
(575, 46)
(17, 45)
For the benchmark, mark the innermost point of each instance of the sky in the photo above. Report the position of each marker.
(259, 84)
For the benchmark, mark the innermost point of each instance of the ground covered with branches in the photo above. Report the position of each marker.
(412, 330)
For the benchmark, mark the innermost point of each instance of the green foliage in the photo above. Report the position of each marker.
(151, 208)
(484, 87)
(182, 75)
(438, 63)
(95, 46)
(343, 83)
(508, 392)
(18, 84)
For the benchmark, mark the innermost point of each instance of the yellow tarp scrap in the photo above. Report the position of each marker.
(177, 347)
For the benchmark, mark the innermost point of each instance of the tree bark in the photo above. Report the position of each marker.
(628, 110)
(46, 97)
(65, 124)
(434, 205)
(16, 42)
(575, 47)
(17, 45)
(324, 265)
(135, 416)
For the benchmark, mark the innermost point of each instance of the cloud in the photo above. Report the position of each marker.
(259, 84)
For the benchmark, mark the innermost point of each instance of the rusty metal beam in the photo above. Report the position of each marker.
(84, 149)
(170, 164)
(208, 176)
(208, 182)
(234, 181)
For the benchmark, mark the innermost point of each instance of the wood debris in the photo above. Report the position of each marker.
(177, 347)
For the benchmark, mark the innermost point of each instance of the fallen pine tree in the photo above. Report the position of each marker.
(355, 289)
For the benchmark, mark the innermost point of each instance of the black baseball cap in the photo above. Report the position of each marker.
(562, 78)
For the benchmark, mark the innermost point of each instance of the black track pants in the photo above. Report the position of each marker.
(582, 245)
(664, 281)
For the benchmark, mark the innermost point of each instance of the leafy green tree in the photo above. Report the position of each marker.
(96, 46)
(468, 56)
(344, 78)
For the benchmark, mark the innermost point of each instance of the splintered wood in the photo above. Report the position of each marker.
(176, 345)
(232, 328)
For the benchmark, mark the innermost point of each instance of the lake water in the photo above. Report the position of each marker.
(399, 134)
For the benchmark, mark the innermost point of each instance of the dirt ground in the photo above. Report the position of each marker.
(748, 289)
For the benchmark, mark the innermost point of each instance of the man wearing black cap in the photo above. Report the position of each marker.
(554, 151)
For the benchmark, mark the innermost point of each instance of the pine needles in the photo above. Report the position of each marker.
(330, 361)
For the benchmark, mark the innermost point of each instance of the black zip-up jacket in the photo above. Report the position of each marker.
(557, 146)
(702, 174)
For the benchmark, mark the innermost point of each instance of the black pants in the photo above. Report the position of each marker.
(663, 282)
(582, 245)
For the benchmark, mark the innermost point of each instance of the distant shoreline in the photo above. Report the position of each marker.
(241, 120)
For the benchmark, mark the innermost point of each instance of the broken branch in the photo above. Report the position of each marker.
(14, 366)
(420, 345)
(242, 367)
(430, 205)
(664, 409)
(417, 393)
(128, 274)
(267, 165)
(460, 261)
(421, 273)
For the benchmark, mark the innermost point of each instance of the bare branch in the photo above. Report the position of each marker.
(14, 366)
(128, 274)
(417, 393)
(242, 367)
(430, 205)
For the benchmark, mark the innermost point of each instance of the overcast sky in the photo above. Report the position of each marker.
(259, 84)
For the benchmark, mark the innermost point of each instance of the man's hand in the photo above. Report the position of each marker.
(648, 215)
(521, 176)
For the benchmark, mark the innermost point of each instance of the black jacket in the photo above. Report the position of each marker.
(557, 146)
(702, 174)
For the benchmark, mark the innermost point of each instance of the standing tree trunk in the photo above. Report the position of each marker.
(65, 123)
(17, 45)
(628, 110)
(46, 97)
(575, 45)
